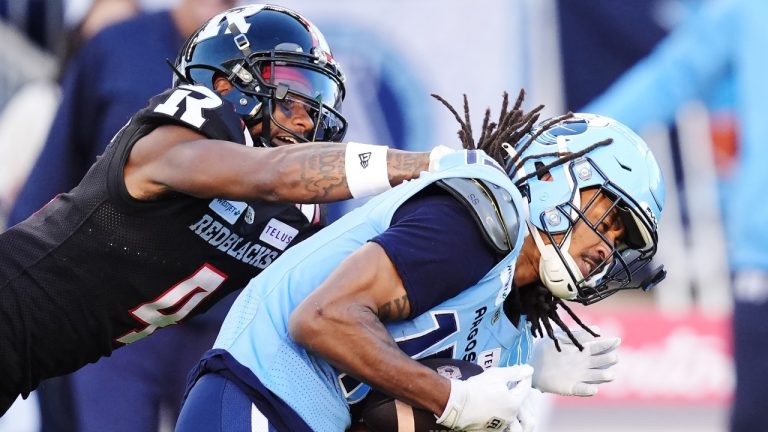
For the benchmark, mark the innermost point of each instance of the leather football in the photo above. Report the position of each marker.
(382, 413)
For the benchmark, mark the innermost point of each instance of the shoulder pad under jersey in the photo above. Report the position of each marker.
(492, 208)
(198, 108)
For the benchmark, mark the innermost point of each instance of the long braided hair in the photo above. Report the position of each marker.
(497, 139)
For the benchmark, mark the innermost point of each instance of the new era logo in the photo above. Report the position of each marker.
(364, 158)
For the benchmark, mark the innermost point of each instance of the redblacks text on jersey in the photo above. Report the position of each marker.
(96, 269)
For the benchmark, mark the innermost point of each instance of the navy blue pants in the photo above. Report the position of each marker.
(750, 339)
(216, 404)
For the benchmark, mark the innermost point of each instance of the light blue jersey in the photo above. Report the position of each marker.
(470, 325)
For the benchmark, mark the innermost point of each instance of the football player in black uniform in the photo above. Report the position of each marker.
(183, 207)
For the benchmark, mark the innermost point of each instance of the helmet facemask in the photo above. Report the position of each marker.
(295, 88)
(257, 90)
(627, 255)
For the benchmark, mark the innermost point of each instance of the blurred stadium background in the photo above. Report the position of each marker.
(676, 371)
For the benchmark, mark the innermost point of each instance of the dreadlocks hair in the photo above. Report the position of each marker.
(511, 126)
(540, 307)
(498, 140)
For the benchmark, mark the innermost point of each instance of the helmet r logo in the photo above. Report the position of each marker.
(236, 16)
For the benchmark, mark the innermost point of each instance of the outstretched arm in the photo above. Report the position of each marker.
(173, 158)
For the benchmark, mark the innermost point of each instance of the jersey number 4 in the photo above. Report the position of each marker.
(176, 303)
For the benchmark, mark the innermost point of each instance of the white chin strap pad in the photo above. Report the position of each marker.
(553, 271)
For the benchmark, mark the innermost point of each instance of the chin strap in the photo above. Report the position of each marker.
(553, 271)
(248, 138)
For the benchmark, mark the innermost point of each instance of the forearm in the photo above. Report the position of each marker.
(318, 172)
(360, 345)
(405, 165)
(341, 321)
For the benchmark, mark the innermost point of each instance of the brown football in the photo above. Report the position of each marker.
(382, 413)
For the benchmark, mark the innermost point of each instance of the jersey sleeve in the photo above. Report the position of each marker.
(197, 108)
(436, 247)
(193, 107)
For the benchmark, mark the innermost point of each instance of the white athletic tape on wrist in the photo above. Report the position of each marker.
(366, 169)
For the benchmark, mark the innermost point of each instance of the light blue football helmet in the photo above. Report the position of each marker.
(623, 169)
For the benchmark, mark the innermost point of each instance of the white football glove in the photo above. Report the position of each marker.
(572, 372)
(489, 401)
(526, 416)
(436, 154)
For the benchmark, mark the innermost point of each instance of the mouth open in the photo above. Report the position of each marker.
(284, 139)
(588, 265)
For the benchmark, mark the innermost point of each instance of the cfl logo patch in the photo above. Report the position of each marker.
(364, 159)
(495, 424)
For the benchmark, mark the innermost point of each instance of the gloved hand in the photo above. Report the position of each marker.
(489, 401)
(572, 372)
(436, 154)
(526, 416)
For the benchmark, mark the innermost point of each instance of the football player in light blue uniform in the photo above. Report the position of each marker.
(438, 267)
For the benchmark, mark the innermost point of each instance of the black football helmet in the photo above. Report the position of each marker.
(275, 58)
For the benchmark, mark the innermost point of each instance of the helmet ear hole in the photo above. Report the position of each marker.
(221, 84)
(204, 76)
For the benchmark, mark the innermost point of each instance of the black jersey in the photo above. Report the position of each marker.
(96, 269)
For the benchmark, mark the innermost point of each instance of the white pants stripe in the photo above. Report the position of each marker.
(259, 423)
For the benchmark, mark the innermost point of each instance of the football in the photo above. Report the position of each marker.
(382, 413)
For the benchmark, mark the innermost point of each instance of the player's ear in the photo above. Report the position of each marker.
(221, 84)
